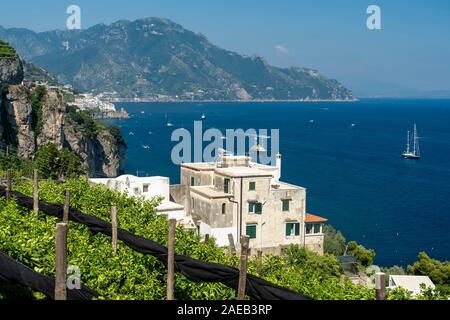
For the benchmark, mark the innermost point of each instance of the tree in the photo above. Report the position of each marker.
(36, 108)
(334, 241)
(54, 164)
(363, 256)
(70, 164)
(439, 272)
(328, 265)
(47, 161)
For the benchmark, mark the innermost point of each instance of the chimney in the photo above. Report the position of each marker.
(278, 166)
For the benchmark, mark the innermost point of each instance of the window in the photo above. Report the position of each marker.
(251, 231)
(254, 207)
(252, 186)
(317, 228)
(312, 228)
(145, 188)
(285, 205)
(192, 203)
(292, 229)
(226, 185)
(192, 181)
(224, 208)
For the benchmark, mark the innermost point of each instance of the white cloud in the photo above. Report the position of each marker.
(282, 50)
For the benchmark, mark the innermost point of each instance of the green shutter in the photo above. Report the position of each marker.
(288, 229)
(258, 208)
(226, 185)
(252, 186)
(251, 231)
(285, 205)
(297, 229)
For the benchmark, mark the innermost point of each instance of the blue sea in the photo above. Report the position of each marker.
(354, 175)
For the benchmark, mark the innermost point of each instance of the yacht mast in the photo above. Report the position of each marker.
(416, 142)
(407, 142)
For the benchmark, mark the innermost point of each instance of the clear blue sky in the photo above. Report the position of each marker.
(412, 49)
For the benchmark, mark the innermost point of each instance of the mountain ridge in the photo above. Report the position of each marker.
(155, 58)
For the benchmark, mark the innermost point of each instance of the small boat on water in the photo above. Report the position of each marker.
(146, 146)
(203, 116)
(131, 133)
(169, 124)
(414, 152)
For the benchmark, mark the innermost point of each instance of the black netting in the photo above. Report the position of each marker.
(12, 271)
(193, 269)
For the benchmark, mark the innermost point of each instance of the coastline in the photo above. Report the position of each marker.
(233, 101)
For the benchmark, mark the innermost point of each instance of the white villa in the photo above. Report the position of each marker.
(240, 197)
(410, 283)
(148, 188)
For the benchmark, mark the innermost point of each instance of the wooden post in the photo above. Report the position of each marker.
(61, 262)
(380, 285)
(243, 268)
(206, 238)
(171, 259)
(8, 185)
(114, 228)
(231, 241)
(66, 207)
(35, 193)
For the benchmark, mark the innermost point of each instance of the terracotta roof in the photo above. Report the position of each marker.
(310, 218)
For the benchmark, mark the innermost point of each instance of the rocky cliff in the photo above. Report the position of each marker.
(103, 152)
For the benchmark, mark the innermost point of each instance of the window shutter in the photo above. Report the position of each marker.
(297, 229)
(288, 229)
(226, 185)
(258, 208)
(285, 205)
(251, 231)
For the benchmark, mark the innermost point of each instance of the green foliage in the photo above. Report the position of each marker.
(300, 256)
(439, 272)
(363, 256)
(19, 166)
(334, 241)
(89, 126)
(398, 294)
(131, 275)
(116, 134)
(55, 164)
(6, 50)
(36, 111)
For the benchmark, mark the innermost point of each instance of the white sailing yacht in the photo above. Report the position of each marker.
(413, 153)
